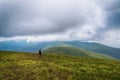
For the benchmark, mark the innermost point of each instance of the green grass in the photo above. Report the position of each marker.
(28, 66)
(74, 51)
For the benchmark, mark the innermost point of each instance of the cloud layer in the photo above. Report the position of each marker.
(39, 20)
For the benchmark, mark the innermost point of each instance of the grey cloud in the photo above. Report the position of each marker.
(24, 21)
(40, 20)
(77, 19)
(112, 9)
(109, 5)
(4, 22)
(40, 17)
(114, 20)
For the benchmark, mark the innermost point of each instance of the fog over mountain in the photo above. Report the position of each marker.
(51, 20)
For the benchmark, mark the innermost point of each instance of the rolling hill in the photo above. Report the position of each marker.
(27, 66)
(96, 47)
(74, 51)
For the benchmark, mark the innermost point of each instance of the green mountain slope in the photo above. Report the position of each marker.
(96, 47)
(74, 51)
(27, 66)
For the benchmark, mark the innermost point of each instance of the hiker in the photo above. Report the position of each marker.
(40, 53)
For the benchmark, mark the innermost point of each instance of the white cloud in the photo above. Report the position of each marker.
(112, 38)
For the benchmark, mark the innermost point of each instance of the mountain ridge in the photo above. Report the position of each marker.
(24, 46)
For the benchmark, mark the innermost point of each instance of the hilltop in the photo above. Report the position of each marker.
(74, 51)
(27, 66)
(96, 47)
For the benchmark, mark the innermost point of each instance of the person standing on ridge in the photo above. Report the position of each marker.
(40, 53)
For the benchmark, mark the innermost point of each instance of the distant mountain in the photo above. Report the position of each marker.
(96, 47)
(74, 51)
(24, 46)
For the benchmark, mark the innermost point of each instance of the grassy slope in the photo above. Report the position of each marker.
(24, 66)
(96, 47)
(70, 50)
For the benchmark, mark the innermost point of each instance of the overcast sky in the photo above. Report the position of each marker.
(49, 20)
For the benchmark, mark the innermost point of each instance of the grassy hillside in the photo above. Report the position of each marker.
(74, 51)
(24, 66)
(96, 47)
